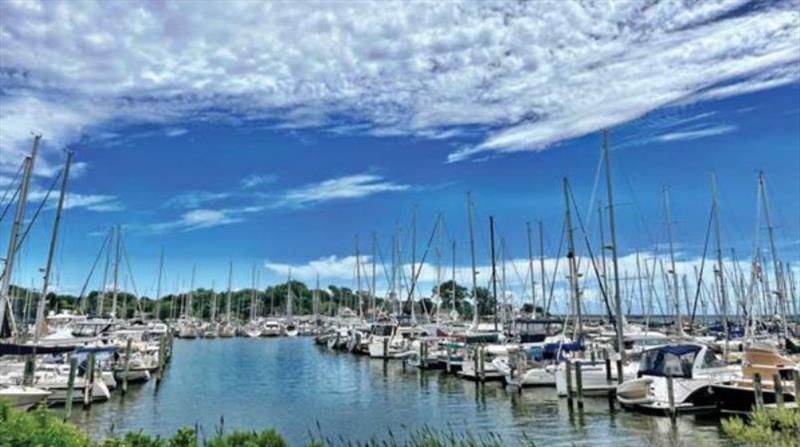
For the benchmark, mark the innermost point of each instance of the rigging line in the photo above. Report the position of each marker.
(702, 266)
(424, 255)
(555, 269)
(94, 266)
(34, 217)
(591, 254)
(10, 184)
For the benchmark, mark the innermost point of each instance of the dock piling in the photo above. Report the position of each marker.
(73, 366)
(88, 381)
(758, 390)
(126, 366)
(671, 396)
(579, 383)
(777, 386)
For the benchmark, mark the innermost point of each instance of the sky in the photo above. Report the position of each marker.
(279, 134)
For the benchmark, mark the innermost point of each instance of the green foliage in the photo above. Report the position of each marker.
(42, 427)
(773, 427)
(37, 428)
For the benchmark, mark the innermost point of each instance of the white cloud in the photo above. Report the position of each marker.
(253, 180)
(194, 199)
(195, 220)
(91, 202)
(347, 187)
(695, 134)
(524, 75)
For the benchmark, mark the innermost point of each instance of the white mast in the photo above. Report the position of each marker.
(19, 216)
(40, 320)
(472, 258)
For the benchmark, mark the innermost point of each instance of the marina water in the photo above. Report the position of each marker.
(302, 390)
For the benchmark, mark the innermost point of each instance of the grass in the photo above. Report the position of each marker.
(43, 428)
(767, 427)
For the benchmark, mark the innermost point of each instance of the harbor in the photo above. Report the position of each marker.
(461, 224)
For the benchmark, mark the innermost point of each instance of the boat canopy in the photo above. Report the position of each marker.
(674, 360)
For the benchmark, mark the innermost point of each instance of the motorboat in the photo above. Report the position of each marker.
(23, 397)
(689, 369)
(738, 396)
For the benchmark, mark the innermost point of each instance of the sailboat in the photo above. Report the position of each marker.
(290, 330)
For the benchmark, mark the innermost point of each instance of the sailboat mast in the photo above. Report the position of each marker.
(453, 276)
(472, 260)
(116, 274)
(719, 270)
(373, 287)
(613, 229)
(228, 300)
(19, 216)
(158, 284)
(776, 263)
(40, 322)
(494, 269)
(530, 269)
(673, 272)
(541, 269)
(358, 281)
(573, 268)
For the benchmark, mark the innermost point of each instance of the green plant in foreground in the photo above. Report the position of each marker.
(773, 427)
(43, 428)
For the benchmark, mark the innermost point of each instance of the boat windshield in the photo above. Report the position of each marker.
(669, 360)
(382, 330)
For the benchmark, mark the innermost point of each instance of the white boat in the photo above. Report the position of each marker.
(691, 367)
(23, 397)
(385, 342)
(271, 328)
(594, 377)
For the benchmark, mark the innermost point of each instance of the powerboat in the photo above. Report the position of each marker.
(23, 397)
(690, 367)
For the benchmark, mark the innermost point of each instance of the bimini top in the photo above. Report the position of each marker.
(674, 360)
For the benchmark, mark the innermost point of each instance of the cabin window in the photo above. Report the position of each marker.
(711, 361)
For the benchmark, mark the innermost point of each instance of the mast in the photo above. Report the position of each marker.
(253, 296)
(472, 258)
(116, 274)
(315, 298)
(289, 312)
(620, 319)
(503, 289)
(541, 268)
(373, 288)
(190, 298)
(158, 284)
(228, 300)
(40, 321)
(776, 263)
(104, 286)
(19, 216)
(413, 263)
(530, 269)
(673, 271)
(494, 270)
(573, 268)
(358, 280)
(453, 276)
(719, 270)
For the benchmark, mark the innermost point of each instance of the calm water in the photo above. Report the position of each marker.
(293, 385)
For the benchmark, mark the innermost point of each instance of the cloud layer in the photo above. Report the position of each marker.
(519, 75)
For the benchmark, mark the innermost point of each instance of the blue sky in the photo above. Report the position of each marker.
(277, 147)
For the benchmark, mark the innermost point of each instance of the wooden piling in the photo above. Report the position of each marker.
(568, 366)
(777, 386)
(88, 381)
(607, 359)
(758, 390)
(385, 348)
(29, 371)
(671, 395)
(73, 366)
(162, 346)
(579, 383)
(796, 385)
(482, 364)
(126, 367)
